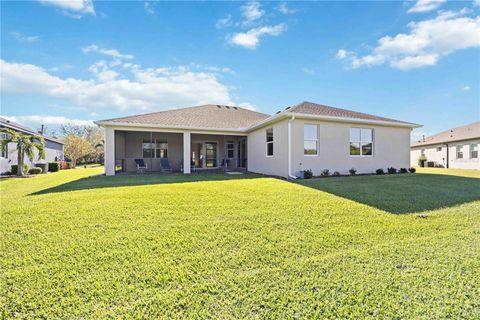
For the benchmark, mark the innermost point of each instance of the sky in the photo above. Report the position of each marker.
(80, 61)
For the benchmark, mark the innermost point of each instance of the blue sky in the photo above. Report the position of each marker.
(78, 61)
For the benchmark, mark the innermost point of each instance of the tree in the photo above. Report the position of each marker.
(26, 145)
(76, 147)
(94, 135)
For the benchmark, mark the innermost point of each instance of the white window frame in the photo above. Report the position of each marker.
(317, 140)
(458, 149)
(268, 142)
(361, 141)
(472, 146)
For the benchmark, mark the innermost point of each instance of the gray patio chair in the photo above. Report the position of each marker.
(141, 165)
(165, 165)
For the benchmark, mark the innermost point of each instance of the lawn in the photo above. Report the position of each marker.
(217, 246)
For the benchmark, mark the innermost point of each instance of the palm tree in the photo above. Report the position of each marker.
(26, 145)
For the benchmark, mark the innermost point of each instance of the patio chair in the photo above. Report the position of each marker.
(141, 165)
(165, 165)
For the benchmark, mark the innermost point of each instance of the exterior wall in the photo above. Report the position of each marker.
(258, 161)
(440, 157)
(391, 148)
(53, 152)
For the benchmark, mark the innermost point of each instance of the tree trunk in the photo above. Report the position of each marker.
(74, 163)
(20, 163)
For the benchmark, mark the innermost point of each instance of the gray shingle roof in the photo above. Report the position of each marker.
(18, 127)
(468, 132)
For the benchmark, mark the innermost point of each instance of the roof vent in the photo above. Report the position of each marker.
(227, 107)
(287, 108)
(235, 108)
(278, 112)
(219, 106)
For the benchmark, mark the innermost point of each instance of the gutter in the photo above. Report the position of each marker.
(290, 176)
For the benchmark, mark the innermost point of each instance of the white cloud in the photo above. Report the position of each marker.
(247, 105)
(251, 38)
(23, 38)
(107, 52)
(73, 8)
(48, 120)
(476, 3)
(422, 6)
(148, 8)
(148, 89)
(284, 9)
(224, 22)
(251, 12)
(466, 88)
(424, 45)
(308, 71)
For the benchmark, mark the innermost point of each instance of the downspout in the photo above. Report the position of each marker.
(290, 176)
(448, 156)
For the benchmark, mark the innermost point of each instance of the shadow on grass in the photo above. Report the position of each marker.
(95, 182)
(402, 193)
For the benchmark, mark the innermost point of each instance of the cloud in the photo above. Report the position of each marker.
(145, 89)
(284, 9)
(148, 8)
(48, 120)
(72, 8)
(422, 6)
(466, 88)
(247, 105)
(251, 12)
(424, 45)
(476, 3)
(107, 52)
(23, 38)
(308, 71)
(224, 22)
(251, 38)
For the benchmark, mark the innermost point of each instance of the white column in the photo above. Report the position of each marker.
(186, 152)
(109, 151)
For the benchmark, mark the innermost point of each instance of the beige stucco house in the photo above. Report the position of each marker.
(453, 148)
(305, 136)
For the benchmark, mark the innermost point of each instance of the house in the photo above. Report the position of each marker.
(8, 157)
(305, 136)
(454, 148)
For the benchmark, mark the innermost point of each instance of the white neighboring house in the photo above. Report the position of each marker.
(304, 136)
(455, 148)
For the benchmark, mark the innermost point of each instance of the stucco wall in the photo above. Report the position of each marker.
(440, 157)
(257, 150)
(391, 148)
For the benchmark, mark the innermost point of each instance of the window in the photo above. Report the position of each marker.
(473, 151)
(422, 152)
(459, 152)
(361, 142)
(4, 154)
(155, 148)
(310, 139)
(230, 149)
(439, 149)
(269, 137)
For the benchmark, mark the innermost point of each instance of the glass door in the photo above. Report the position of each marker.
(241, 153)
(211, 154)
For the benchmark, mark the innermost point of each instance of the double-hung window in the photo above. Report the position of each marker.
(269, 141)
(310, 139)
(361, 142)
(459, 151)
(155, 148)
(474, 151)
(230, 149)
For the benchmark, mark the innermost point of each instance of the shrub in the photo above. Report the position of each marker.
(14, 169)
(325, 173)
(35, 170)
(353, 171)
(412, 170)
(391, 170)
(380, 171)
(403, 170)
(421, 160)
(308, 174)
(336, 174)
(53, 166)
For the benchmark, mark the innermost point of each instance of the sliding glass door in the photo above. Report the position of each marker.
(211, 154)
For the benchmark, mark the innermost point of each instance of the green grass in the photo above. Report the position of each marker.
(216, 246)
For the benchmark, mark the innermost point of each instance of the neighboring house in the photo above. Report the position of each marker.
(454, 148)
(8, 156)
(305, 136)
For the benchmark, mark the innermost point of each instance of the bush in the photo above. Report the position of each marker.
(421, 160)
(53, 166)
(392, 170)
(35, 170)
(353, 171)
(336, 174)
(412, 170)
(325, 173)
(14, 169)
(403, 170)
(380, 171)
(308, 174)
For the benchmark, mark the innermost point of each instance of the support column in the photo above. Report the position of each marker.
(109, 151)
(186, 152)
